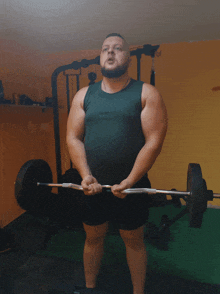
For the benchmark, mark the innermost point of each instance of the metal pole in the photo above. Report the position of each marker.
(68, 93)
(77, 83)
(56, 126)
(138, 67)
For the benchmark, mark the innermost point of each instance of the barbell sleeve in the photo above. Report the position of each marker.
(175, 193)
(216, 195)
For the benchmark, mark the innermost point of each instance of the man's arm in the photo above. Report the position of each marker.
(75, 143)
(154, 127)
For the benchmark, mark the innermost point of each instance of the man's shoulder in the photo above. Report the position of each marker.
(149, 89)
(82, 91)
(79, 97)
(150, 93)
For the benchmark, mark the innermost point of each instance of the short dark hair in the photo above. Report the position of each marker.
(114, 35)
(120, 36)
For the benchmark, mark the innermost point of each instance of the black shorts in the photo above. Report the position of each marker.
(129, 213)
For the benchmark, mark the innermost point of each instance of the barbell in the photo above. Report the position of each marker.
(126, 191)
(34, 180)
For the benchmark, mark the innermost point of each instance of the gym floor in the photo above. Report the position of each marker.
(34, 266)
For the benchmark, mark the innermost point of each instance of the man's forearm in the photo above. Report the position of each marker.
(143, 163)
(78, 157)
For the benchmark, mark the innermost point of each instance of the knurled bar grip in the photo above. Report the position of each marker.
(127, 191)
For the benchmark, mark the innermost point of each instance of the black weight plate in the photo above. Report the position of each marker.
(197, 201)
(29, 196)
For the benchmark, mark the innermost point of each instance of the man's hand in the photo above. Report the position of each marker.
(116, 189)
(91, 186)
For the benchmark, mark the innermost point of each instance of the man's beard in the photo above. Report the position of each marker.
(114, 73)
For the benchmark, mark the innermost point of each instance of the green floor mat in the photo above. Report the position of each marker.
(70, 245)
(192, 254)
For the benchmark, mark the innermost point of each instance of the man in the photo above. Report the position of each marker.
(115, 132)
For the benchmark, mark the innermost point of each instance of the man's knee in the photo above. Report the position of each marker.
(95, 235)
(134, 244)
(134, 238)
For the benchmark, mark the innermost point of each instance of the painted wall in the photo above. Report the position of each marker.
(25, 133)
(187, 75)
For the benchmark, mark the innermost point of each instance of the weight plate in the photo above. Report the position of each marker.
(197, 201)
(28, 195)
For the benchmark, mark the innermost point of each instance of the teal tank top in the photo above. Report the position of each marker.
(113, 132)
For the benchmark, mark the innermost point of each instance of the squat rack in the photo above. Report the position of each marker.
(148, 50)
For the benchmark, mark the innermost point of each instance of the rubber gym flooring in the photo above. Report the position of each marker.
(182, 260)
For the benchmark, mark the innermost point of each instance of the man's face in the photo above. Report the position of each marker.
(114, 57)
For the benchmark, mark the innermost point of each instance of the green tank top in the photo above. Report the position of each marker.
(113, 132)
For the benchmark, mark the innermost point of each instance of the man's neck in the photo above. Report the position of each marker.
(115, 85)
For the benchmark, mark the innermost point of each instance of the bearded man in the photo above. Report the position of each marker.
(115, 132)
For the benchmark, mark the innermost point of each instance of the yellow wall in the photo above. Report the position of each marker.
(186, 73)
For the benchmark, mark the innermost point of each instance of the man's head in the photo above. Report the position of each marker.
(115, 56)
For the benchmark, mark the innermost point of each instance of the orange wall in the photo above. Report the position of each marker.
(25, 133)
(185, 76)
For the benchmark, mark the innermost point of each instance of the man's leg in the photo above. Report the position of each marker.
(136, 257)
(93, 252)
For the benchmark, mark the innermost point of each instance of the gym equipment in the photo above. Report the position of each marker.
(92, 76)
(28, 197)
(197, 202)
(41, 202)
(33, 183)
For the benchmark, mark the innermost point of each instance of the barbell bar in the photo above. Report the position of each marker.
(67, 185)
(149, 191)
(126, 191)
(216, 195)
